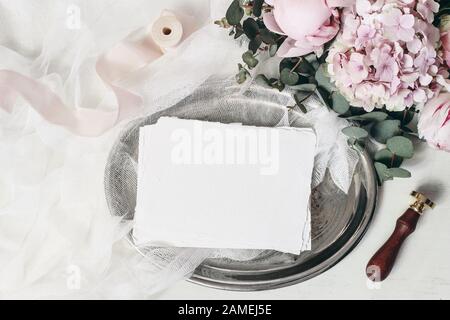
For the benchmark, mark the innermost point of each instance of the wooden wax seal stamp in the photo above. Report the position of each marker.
(382, 262)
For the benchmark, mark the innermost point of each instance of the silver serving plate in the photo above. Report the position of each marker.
(339, 220)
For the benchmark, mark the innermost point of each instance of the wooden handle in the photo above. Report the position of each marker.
(381, 264)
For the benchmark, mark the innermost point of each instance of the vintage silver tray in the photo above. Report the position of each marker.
(339, 221)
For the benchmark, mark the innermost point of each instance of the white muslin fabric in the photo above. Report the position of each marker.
(57, 236)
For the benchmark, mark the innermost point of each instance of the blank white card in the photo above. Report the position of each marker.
(212, 185)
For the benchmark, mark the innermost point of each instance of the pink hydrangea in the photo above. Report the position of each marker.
(387, 54)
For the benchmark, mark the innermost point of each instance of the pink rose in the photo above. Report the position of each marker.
(434, 122)
(445, 37)
(308, 24)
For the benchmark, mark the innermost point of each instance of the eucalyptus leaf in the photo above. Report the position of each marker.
(371, 116)
(273, 48)
(262, 80)
(399, 173)
(251, 28)
(239, 31)
(255, 44)
(235, 13)
(325, 96)
(323, 79)
(302, 108)
(384, 130)
(340, 104)
(382, 172)
(277, 84)
(241, 77)
(401, 146)
(357, 111)
(301, 96)
(267, 37)
(355, 132)
(306, 67)
(388, 158)
(300, 65)
(249, 59)
(257, 7)
(358, 146)
(405, 116)
(289, 77)
(312, 59)
(305, 87)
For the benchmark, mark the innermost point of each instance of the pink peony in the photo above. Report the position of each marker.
(387, 54)
(445, 37)
(434, 122)
(308, 24)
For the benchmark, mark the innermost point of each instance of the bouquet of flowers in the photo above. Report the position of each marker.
(381, 64)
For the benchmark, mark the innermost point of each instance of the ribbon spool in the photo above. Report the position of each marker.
(167, 31)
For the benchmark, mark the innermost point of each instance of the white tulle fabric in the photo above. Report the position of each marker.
(57, 237)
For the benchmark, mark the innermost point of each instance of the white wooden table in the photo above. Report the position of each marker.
(422, 270)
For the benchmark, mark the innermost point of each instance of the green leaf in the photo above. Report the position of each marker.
(276, 84)
(306, 67)
(255, 44)
(301, 96)
(358, 146)
(302, 108)
(267, 37)
(239, 31)
(289, 77)
(340, 104)
(257, 7)
(357, 111)
(223, 23)
(251, 28)
(299, 65)
(234, 13)
(325, 96)
(384, 130)
(405, 116)
(262, 80)
(388, 158)
(249, 59)
(323, 79)
(312, 59)
(401, 146)
(355, 132)
(241, 77)
(305, 87)
(382, 172)
(399, 173)
(371, 116)
(273, 48)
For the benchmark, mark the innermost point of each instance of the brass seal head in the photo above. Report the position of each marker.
(421, 202)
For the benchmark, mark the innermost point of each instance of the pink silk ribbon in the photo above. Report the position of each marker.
(116, 64)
